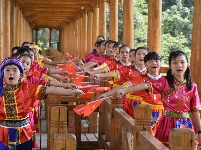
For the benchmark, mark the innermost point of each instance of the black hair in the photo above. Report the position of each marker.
(14, 48)
(40, 52)
(124, 45)
(141, 48)
(132, 50)
(25, 55)
(151, 56)
(187, 75)
(15, 55)
(25, 43)
(22, 50)
(101, 37)
(107, 42)
(117, 44)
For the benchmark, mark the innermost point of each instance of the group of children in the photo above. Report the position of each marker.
(27, 77)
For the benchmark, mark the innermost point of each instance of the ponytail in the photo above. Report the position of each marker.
(187, 76)
(170, 79)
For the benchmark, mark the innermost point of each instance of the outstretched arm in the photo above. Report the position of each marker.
(136, 88)
(61, 84)
(112, 92)
(61, 91)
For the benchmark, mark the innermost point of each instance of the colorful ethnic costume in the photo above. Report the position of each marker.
(177, 104)
(142, 97)
(15, 105)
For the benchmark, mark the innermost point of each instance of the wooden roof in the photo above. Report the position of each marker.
(53, 13)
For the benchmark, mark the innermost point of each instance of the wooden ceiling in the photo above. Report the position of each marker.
(53, 13)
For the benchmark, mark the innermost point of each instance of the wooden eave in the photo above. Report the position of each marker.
(53, 13)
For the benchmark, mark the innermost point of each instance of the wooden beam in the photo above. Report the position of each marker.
(102, 18)
(154, 25)
(196, 45)
(84, 34)
(113, 27)
(1, 31)
(95, 24)
(128, 23)
(89, 31)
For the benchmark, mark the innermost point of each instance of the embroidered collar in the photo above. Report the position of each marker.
(153, 77)
(12, 88)
(177, 82)
(124, 64)
(141, 71)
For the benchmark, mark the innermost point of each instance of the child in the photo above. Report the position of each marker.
(113, 64)
(17, 99)
(125, 73)
(152, 62)
(179, 97)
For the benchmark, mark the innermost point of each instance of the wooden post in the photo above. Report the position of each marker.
(154, 25)
(115, 129)
(17, 26)
(113, 27)
(58, 123)
(181, 139)
(1, 31)
(12, 27)
(142, 120)
(89, 32)
(84, 34)
(50, 37)
(95, 23)
(6, 28)
(196, 45)
(102, 18)
(128, 23)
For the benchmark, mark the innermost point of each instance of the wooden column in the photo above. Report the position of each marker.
(1, 31)
(128, 23)
(113, 27)
(196, 45)
(12, 26)
(95, 23)
(89, 32)
(102, 17)
(76, 37)
(17, 26)
(6, 28)
(84, 34)
(154, 25)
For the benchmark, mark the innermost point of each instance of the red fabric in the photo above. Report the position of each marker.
(25, 96)
(77, 79)
(91, 106)
(79, 109)
(70, 67)
(70, 56)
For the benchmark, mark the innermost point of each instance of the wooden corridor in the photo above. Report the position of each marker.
(79, 23)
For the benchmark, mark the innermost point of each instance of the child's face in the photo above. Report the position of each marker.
(103, 49)
(11, 75)
(139, 56)
(153, 66)
(98, 49)
(132, 57)
(110, 49)
(32, 55)
(179, 66)
(124, 53)
(26, 61)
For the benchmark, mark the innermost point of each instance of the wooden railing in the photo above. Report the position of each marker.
(122, 132)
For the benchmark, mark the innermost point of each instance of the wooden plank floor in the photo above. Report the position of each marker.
(84, 137)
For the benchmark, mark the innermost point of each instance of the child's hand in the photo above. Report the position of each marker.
(65, 73)
(77, 93)
(73, 86)
(119, 94)
(102, 96)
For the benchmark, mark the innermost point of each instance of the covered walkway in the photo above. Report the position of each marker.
(81, 21)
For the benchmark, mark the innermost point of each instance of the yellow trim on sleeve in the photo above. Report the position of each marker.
(115, 76)
(37, 91)
(126, 85)
(154, 106)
